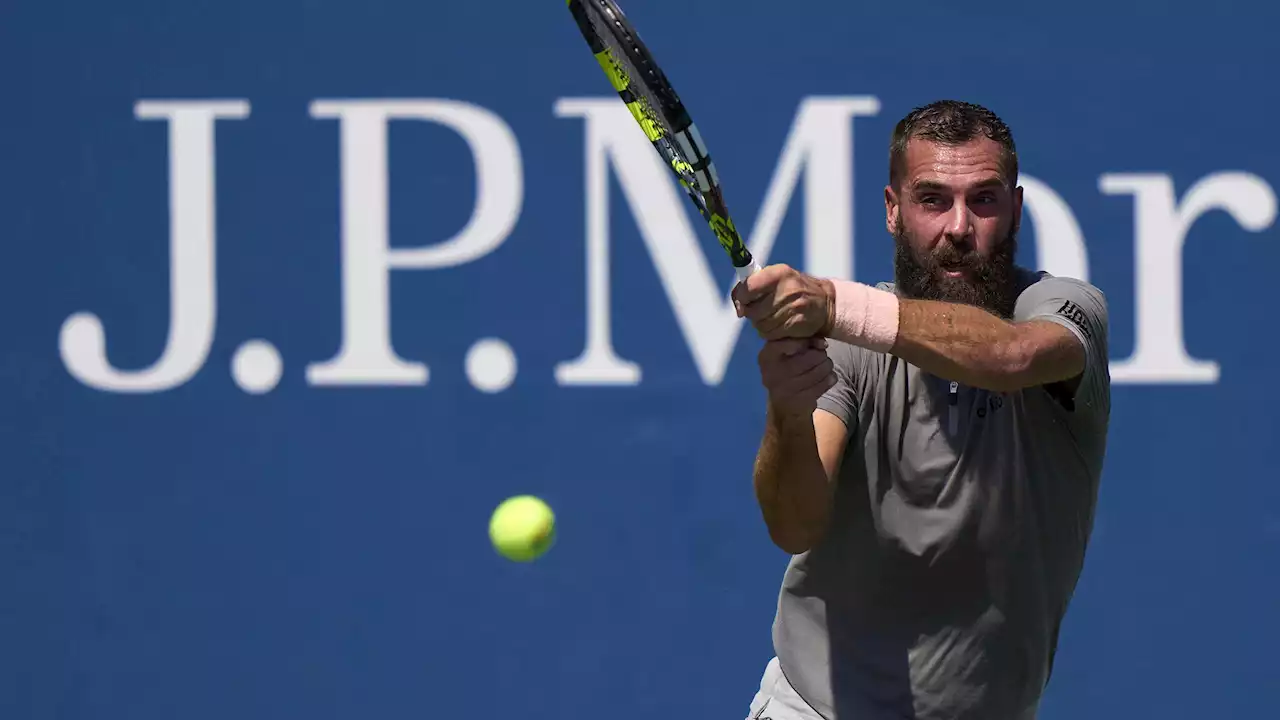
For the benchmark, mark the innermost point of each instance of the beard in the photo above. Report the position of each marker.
(988, 283)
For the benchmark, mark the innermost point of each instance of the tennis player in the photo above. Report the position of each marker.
(932, 449)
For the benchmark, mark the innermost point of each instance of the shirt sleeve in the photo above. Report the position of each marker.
(1082, 309)
(841, 399)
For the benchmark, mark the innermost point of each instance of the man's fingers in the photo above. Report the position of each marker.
(774, 350)
(771, 327)
(740, 295)
(788, 373)
(749, 294)
(779, 321)
(792, 347)
(803, 362)
(758, 284)
(781, 325)
(759, 307)
(820, 385)
(786, 323)
(809, 380)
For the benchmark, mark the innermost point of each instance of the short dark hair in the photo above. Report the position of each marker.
(950, 122)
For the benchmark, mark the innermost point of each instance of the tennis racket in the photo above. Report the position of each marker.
(653, 103)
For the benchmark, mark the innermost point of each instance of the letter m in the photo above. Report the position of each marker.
(820, 144)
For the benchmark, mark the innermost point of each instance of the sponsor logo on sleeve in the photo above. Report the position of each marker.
(1072, 312)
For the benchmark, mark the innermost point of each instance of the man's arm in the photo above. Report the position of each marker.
(1058, 335)
(974, 347)
(811, 404)
(795, 474)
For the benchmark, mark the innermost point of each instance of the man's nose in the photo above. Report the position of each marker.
(959, 228)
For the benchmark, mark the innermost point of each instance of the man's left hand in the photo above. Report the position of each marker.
(782, 302)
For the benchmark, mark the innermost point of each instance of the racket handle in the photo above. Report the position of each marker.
(747, 270)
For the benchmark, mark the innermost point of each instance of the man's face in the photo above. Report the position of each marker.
(955, 222)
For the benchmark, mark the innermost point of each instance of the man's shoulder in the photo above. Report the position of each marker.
(1028, 280)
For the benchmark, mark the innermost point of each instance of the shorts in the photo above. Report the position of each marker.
(777, 700)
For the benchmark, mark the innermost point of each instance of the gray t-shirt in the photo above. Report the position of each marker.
(959, 531)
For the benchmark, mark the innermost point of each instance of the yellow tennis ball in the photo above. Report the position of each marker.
(522, 528)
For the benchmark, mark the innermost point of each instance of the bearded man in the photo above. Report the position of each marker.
(932, 449)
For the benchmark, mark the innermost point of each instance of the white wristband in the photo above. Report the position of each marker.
(864, 316)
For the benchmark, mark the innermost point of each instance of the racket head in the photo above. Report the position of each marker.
(656, 107)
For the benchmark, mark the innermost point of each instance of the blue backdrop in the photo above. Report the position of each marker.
(441, 233)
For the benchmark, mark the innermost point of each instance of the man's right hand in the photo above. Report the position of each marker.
(796, 372)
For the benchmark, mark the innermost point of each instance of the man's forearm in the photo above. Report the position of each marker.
(791, 485)
(954, 341)
(963, 343)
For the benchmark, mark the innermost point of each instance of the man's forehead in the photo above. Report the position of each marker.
(952, 181)
(976, 163)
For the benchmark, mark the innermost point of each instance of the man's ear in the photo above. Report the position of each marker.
(892, 209)
(1017, 208)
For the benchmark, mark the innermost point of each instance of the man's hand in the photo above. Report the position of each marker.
(782, 302)
(796, 373)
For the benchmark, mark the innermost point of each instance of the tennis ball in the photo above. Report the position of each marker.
(522, 528)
